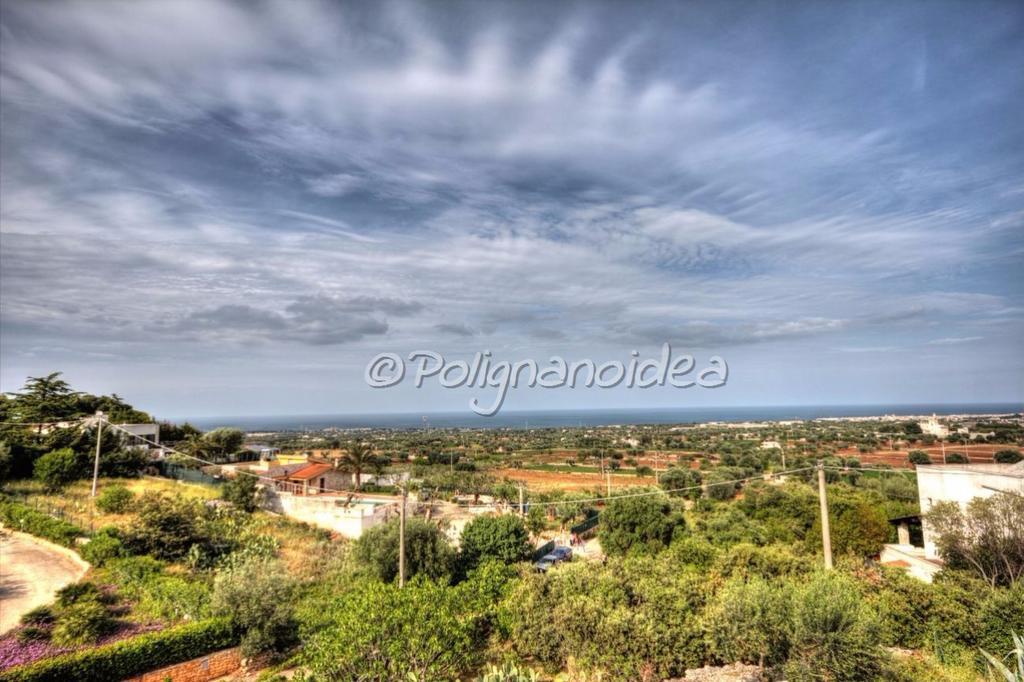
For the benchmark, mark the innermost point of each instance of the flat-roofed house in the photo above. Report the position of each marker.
(936, 483)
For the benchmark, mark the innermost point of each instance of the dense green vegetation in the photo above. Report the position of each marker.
(719, 562)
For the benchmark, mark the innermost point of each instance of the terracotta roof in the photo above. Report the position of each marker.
(307, 472)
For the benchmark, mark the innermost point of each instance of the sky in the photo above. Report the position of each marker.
(219, 208)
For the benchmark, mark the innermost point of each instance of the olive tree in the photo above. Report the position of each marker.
(987, 537)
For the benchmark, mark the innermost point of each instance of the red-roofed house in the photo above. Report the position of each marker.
(313, 478)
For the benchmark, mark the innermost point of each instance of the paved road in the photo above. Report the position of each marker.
(31, 571)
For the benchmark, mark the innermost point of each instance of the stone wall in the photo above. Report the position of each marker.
(202, 669)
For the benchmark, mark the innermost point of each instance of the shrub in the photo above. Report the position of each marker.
(638, 524)
(133, 575)
(377, 631)
(1008, 456)
(834, 634)
(122, 462)
(78, 592)
(258, 598)
(40, 615)
(20, 517)
(242, 491)
(83, 622)
(427, 551)
(772, 561)
(115, 499)
(956, 458)
(130, 657)
(1001, 614)
(175, 598)
(57, 468)
(858, 523)
(749, 622)
(103, 547)
(33, 633)
(635, 618)
(503, 538)
(173, 528)
(919, 457)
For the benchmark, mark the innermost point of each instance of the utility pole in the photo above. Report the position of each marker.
(522, 507)
(401, 539)
(96, 463)
(942, 442)
(826, 533)
(608, 477)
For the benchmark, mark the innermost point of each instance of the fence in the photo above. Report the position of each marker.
(543, 549)
(585, 526)
(188, 474)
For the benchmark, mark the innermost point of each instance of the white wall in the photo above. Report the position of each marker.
(961, 483)
(324, 511)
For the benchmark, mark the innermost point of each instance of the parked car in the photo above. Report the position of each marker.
(546, 562)
(561, 553)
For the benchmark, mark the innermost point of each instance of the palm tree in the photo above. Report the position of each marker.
(358, 457)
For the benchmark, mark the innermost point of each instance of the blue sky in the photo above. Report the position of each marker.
(229, 208)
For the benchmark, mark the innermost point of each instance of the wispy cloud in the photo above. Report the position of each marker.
(320, 179)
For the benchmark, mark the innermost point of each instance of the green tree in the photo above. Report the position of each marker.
(834, 634)
(675, 478)
(427, 551)
(243, 491)
(858, 523)
(44, 399)
(357, 459)
(639, 524)
(378, 633)
(919, 457)
(169, 528)
(114, 499)
(222, 443)
(987, 537)
(749, 621)
(57, 469)
(258, 596)
(502, 537)
(536, 519)
(1008, 456)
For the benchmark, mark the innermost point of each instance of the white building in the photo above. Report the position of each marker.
(961, 483)
(933, 427)
(958, 483)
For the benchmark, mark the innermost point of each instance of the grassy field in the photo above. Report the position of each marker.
(75, 504)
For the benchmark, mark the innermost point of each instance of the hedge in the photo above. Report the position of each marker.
(18, 516)
(129, 657)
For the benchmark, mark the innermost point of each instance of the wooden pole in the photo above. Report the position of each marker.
(522, 507)
(96, 462)
(826, 533)
(401, 540)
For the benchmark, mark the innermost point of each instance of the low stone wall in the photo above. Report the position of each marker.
(202, 669)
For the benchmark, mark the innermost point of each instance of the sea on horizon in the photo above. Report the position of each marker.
(594, 417)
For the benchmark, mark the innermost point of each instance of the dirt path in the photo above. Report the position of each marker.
(31, 571)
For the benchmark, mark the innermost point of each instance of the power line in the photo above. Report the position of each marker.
(646, 492)
(211, 463)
